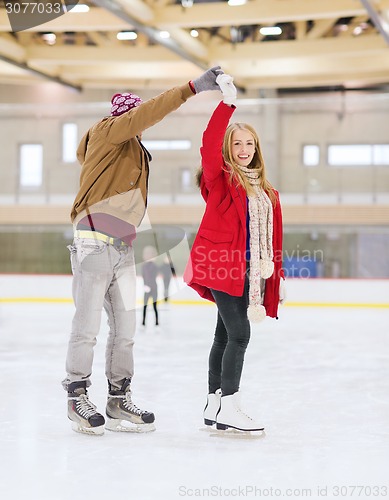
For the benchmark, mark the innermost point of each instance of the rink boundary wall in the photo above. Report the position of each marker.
(48, 300)
(317, 292)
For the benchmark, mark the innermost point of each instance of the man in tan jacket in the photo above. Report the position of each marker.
(110, 204)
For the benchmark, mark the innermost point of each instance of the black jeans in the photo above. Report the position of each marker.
(232, 336)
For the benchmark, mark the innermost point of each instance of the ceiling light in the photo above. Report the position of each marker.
(187, 3)
(270, 30)
(49, 38)
(126, 35)
(234, 3)
(78, 8)
(164, 34)
(194, 33)
(234, 34)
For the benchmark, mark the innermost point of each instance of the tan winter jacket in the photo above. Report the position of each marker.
(115, 167)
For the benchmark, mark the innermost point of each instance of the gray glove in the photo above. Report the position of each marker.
(207, 81)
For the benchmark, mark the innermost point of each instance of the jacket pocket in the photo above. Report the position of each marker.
(224, 205)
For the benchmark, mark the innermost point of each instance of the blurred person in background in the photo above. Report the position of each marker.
(167, 271)
(149, 275)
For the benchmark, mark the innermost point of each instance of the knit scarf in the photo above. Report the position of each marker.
(261, 243)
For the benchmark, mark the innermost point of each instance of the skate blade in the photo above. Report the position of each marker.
(91, 431)
(208, 428)
(232, 433)
(126, 426)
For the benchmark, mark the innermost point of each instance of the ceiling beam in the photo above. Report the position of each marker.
(14, 54)
(40, 74)
(10, 48)
(258, 12)
(203, 15)
(283, 64)
(321, 27)
(100, 56)
(381, 25)
(324, 47)
(153, 33)
(248, 53)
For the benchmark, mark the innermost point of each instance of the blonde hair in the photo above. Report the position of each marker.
(257, 163)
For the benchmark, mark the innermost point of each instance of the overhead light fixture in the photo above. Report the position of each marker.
(270, 30)
(194, 33)
(164, 34)
(187, 3)
(79, 8)
(234, 34)
(49, 38)
(235, 3)
(126, 35)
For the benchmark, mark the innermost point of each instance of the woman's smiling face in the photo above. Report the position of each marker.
(242, 147)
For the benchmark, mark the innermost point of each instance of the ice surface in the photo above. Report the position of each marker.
(318, 378)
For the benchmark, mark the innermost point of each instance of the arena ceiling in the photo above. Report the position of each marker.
(323, 43)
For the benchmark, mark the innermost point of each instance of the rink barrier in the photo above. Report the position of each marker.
(66, 300)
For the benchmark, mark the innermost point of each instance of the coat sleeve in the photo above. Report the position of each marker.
(211, 149)
(117, 130)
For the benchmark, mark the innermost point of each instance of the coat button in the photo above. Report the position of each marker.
(131, 183)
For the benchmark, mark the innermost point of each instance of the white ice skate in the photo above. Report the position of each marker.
(231, 416)
(212, 407)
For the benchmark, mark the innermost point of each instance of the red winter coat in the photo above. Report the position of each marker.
(217, 258)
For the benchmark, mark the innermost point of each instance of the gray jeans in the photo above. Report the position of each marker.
(103, 277)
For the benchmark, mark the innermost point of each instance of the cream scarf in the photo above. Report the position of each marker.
(261, 244)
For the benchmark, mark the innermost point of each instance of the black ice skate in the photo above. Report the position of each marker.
(123, 415)
(82, 412)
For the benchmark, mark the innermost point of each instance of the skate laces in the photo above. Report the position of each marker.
(242, 412)
(84, 407)
(129, 405)
(245, 414)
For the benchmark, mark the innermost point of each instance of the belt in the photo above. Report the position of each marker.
(95, 235)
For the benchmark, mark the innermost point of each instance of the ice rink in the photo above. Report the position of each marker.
(318, 379)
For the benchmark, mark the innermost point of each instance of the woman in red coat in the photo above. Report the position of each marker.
(236, 258)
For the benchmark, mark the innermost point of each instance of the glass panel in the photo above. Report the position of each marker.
(168, 145)
(311, 155)
(350, 154)
(69, 142)
(186, 179)
(31, 165)
(381, 154)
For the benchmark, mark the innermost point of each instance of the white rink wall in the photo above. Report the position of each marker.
(300, 292)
